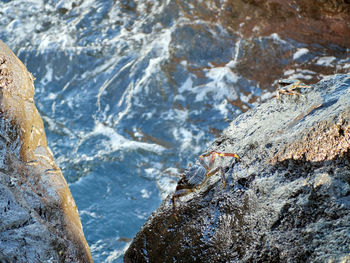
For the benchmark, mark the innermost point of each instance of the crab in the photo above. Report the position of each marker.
(290, 87)
(195, 176)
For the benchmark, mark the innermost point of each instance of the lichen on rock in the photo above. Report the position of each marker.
(325, 141)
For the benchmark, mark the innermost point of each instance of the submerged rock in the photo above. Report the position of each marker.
(288, 200)
(39, 218)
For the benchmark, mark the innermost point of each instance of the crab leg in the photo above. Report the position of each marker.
(298, 84)
(289, 89)
(222, 174)
(203, 163)
(209, 172)
(213, 155)
(223, 179)
(290, 92)
(228, 155)
(287, 92)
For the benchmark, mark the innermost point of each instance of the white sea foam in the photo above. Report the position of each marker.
(289, 72)
(52, 96)
(300, 52)
(154, 171)
(219, 88)
(234, 62)
(222, 74)
(160, 46)
(187, 85)
(266, 96)
(325, 61)
(277, 38)
(299, 74)
(188, 141)
(145, 194)
(88, 213)
(54, 126)
(115, 254)
(166, 185)
(117, 142)
(48, 76)
(222, 108)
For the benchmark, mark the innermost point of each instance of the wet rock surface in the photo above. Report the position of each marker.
(326, 19)
(288, 200)
(273, 38)
(39, 221)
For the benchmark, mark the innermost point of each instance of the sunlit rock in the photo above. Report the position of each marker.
(288, 200)
(39, 221)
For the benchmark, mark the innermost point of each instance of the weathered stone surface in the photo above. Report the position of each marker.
(288, 200)
(326, 19)
(39, 221)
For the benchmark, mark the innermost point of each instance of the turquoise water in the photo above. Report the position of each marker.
(133, 91)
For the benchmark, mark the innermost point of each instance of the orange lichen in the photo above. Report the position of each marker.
(325, 141)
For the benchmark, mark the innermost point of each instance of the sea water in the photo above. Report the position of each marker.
(133, 91)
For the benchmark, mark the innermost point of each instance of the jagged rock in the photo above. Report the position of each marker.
(288, 200)
(39, 221)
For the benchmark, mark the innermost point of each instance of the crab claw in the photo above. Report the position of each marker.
(229, 155)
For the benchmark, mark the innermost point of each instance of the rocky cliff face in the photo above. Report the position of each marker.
(39, 218)
(288, 200)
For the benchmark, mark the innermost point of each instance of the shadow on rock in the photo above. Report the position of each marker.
(288, 200)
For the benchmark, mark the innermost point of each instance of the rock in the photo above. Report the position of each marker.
(39, 218)
(288, 200)
(327, 20)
